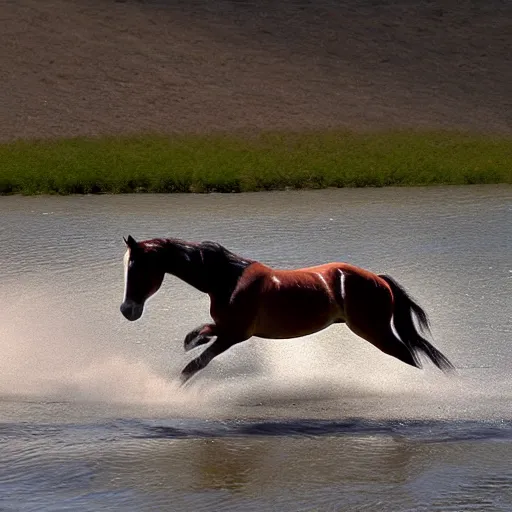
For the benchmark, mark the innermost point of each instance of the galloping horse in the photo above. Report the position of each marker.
(248, 299)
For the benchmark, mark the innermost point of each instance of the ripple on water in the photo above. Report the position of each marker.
(239, 465)
(339, 427)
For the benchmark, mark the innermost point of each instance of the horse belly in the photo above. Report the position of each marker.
(294, 315)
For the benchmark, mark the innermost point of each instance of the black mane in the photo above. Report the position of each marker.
(208, 265)
(209, 248)
(222, 267)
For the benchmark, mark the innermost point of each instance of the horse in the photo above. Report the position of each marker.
(248, 298)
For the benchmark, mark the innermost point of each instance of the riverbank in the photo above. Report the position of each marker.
(269, 161)
(349, 93)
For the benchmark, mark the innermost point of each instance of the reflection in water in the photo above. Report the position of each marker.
(270, 424)
(224, 464)
(375, 471)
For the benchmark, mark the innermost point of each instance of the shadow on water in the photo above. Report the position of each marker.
(425, 431)
(420, 430)
(298, 464)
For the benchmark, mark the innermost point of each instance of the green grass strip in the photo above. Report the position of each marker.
(269, 161)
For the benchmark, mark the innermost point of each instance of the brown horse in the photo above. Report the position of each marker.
(252, 299)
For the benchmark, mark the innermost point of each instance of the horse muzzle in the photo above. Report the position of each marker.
(131, 310)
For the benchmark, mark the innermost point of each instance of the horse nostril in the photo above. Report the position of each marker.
(126, 310)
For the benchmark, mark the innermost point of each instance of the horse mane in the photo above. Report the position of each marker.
(207, 265)
(217, 250)
(157, 244)
(207, 248)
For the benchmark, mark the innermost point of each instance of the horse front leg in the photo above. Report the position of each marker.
(221, 344)
(199, 336)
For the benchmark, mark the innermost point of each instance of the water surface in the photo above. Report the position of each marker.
(91, 417)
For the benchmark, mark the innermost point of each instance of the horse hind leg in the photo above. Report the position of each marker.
(368, 308)
(386, 341)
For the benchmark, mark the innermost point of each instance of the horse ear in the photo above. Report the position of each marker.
(130, 242)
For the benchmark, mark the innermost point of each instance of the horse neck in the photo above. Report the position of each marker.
(208, 266)
(222, 270)
(184, 260)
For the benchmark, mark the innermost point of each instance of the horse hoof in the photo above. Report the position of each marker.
(184, 378)
(190, 343)
(195, 341)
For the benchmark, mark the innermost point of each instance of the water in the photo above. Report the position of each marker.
(91, 417)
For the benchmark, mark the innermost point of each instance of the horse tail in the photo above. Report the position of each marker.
(404, 308)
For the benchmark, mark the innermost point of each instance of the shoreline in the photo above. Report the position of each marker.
(227, 163)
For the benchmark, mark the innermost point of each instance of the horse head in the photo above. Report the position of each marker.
(143, 277)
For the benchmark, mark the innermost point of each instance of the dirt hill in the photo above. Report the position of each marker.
(72, 67)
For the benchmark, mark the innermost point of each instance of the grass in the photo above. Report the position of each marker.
(269, 161)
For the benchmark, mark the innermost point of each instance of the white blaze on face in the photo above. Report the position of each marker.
(126, 260)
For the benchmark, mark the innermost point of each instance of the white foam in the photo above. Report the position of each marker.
(52, 348)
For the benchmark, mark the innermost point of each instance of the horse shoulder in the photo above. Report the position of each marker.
(251, 281)
(237, 316)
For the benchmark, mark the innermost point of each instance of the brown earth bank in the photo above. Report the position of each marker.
(93, 67)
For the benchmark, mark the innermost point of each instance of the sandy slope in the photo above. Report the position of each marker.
(70, 67)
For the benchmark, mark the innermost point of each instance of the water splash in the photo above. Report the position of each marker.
(51, 350)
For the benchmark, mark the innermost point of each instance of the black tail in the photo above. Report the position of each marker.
(405, 328)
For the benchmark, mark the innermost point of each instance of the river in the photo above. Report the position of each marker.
(91, 417)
